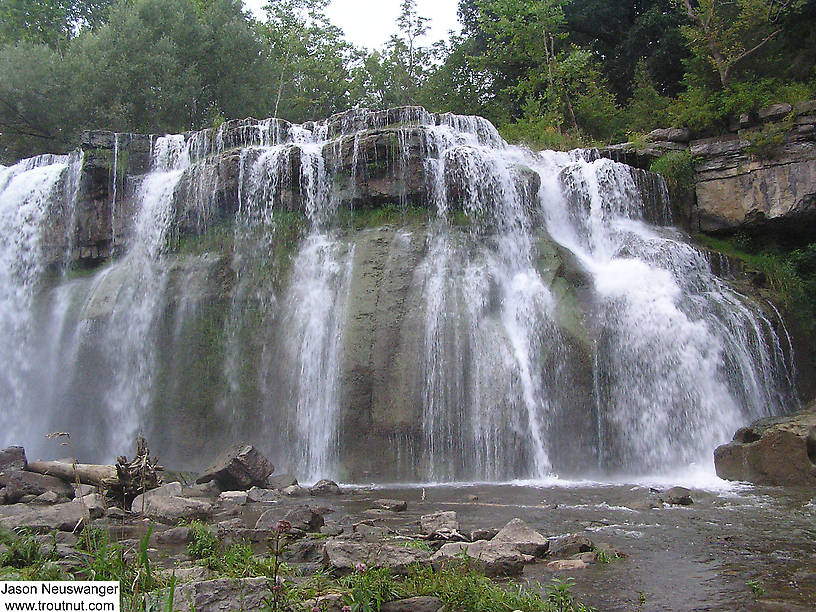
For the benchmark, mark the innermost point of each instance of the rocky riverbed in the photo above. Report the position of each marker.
(625, 546)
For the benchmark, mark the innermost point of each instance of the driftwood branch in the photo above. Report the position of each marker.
(98, 475)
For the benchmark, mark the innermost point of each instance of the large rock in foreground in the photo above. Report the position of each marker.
(346, 556)
(63, 517)
(19, 483)
(776, 451)
(214, 595)
(490, 557)
(13, 458)
(238, 468)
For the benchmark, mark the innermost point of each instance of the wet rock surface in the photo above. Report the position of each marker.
(680, 557)
(775, 451)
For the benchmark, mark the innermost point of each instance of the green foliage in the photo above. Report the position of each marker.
(757, 590)
(539, 129)
(604, 556)
(48, 22)
(23, 550)
(387, 214)
(677, 169)
(726, 34)
(465, 590)
(203, 542)
(368, 589)
(790, 276)
(764, 142)
(647, 109)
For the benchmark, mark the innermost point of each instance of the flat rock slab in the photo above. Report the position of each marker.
(171, 489)
(392, 505)
(171, 509)
(221, 595)
(567, 565)
(430, 523)
(345, 556)
(62, 517)
(238, 468)
(414, 604)
(527, 540)
(304, 518)
(19, 483)
(492, 558)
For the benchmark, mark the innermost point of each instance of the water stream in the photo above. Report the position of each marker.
(540, 317)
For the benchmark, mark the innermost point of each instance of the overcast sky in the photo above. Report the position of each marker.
(370, 22)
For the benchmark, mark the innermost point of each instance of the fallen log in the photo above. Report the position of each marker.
(104, 476)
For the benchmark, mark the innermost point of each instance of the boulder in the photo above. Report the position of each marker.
(677, 496)
(19, 483)
(62, 517)
(93, 502)
(775, 451)
(281, 481)
(256, 494)
(48, 498)
(238, 468)
(220, 595)
(325, 487)
(523, 537)
(491, 558)
(345, 556)
(173, 509)
(566, 546)
(304, 518)
(392, 505)
(482, 534)
(414, 604)
(174, 535)
(295, 491)
(431, 523)
(84, 489)
(13, 458)
(235, 497)
(171, 489)
(681, 135)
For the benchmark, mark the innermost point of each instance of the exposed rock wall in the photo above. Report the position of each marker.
(759, 177)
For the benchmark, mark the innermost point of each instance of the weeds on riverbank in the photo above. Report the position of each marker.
(459, 586)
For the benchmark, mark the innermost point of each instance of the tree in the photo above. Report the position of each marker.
(49, 22)
(622, 33)
(35, 107)
(726, 33)
(310, 57)
(412, 26)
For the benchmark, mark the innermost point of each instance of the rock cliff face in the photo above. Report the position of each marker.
(760, 177)
(377, 296)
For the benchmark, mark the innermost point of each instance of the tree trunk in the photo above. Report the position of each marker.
(98, 475)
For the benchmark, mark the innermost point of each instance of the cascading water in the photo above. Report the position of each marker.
(540, 318)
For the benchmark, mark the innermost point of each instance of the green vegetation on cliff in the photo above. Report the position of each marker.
(785, 275)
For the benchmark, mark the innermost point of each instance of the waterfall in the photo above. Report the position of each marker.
(28, 190)
(538, 317)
